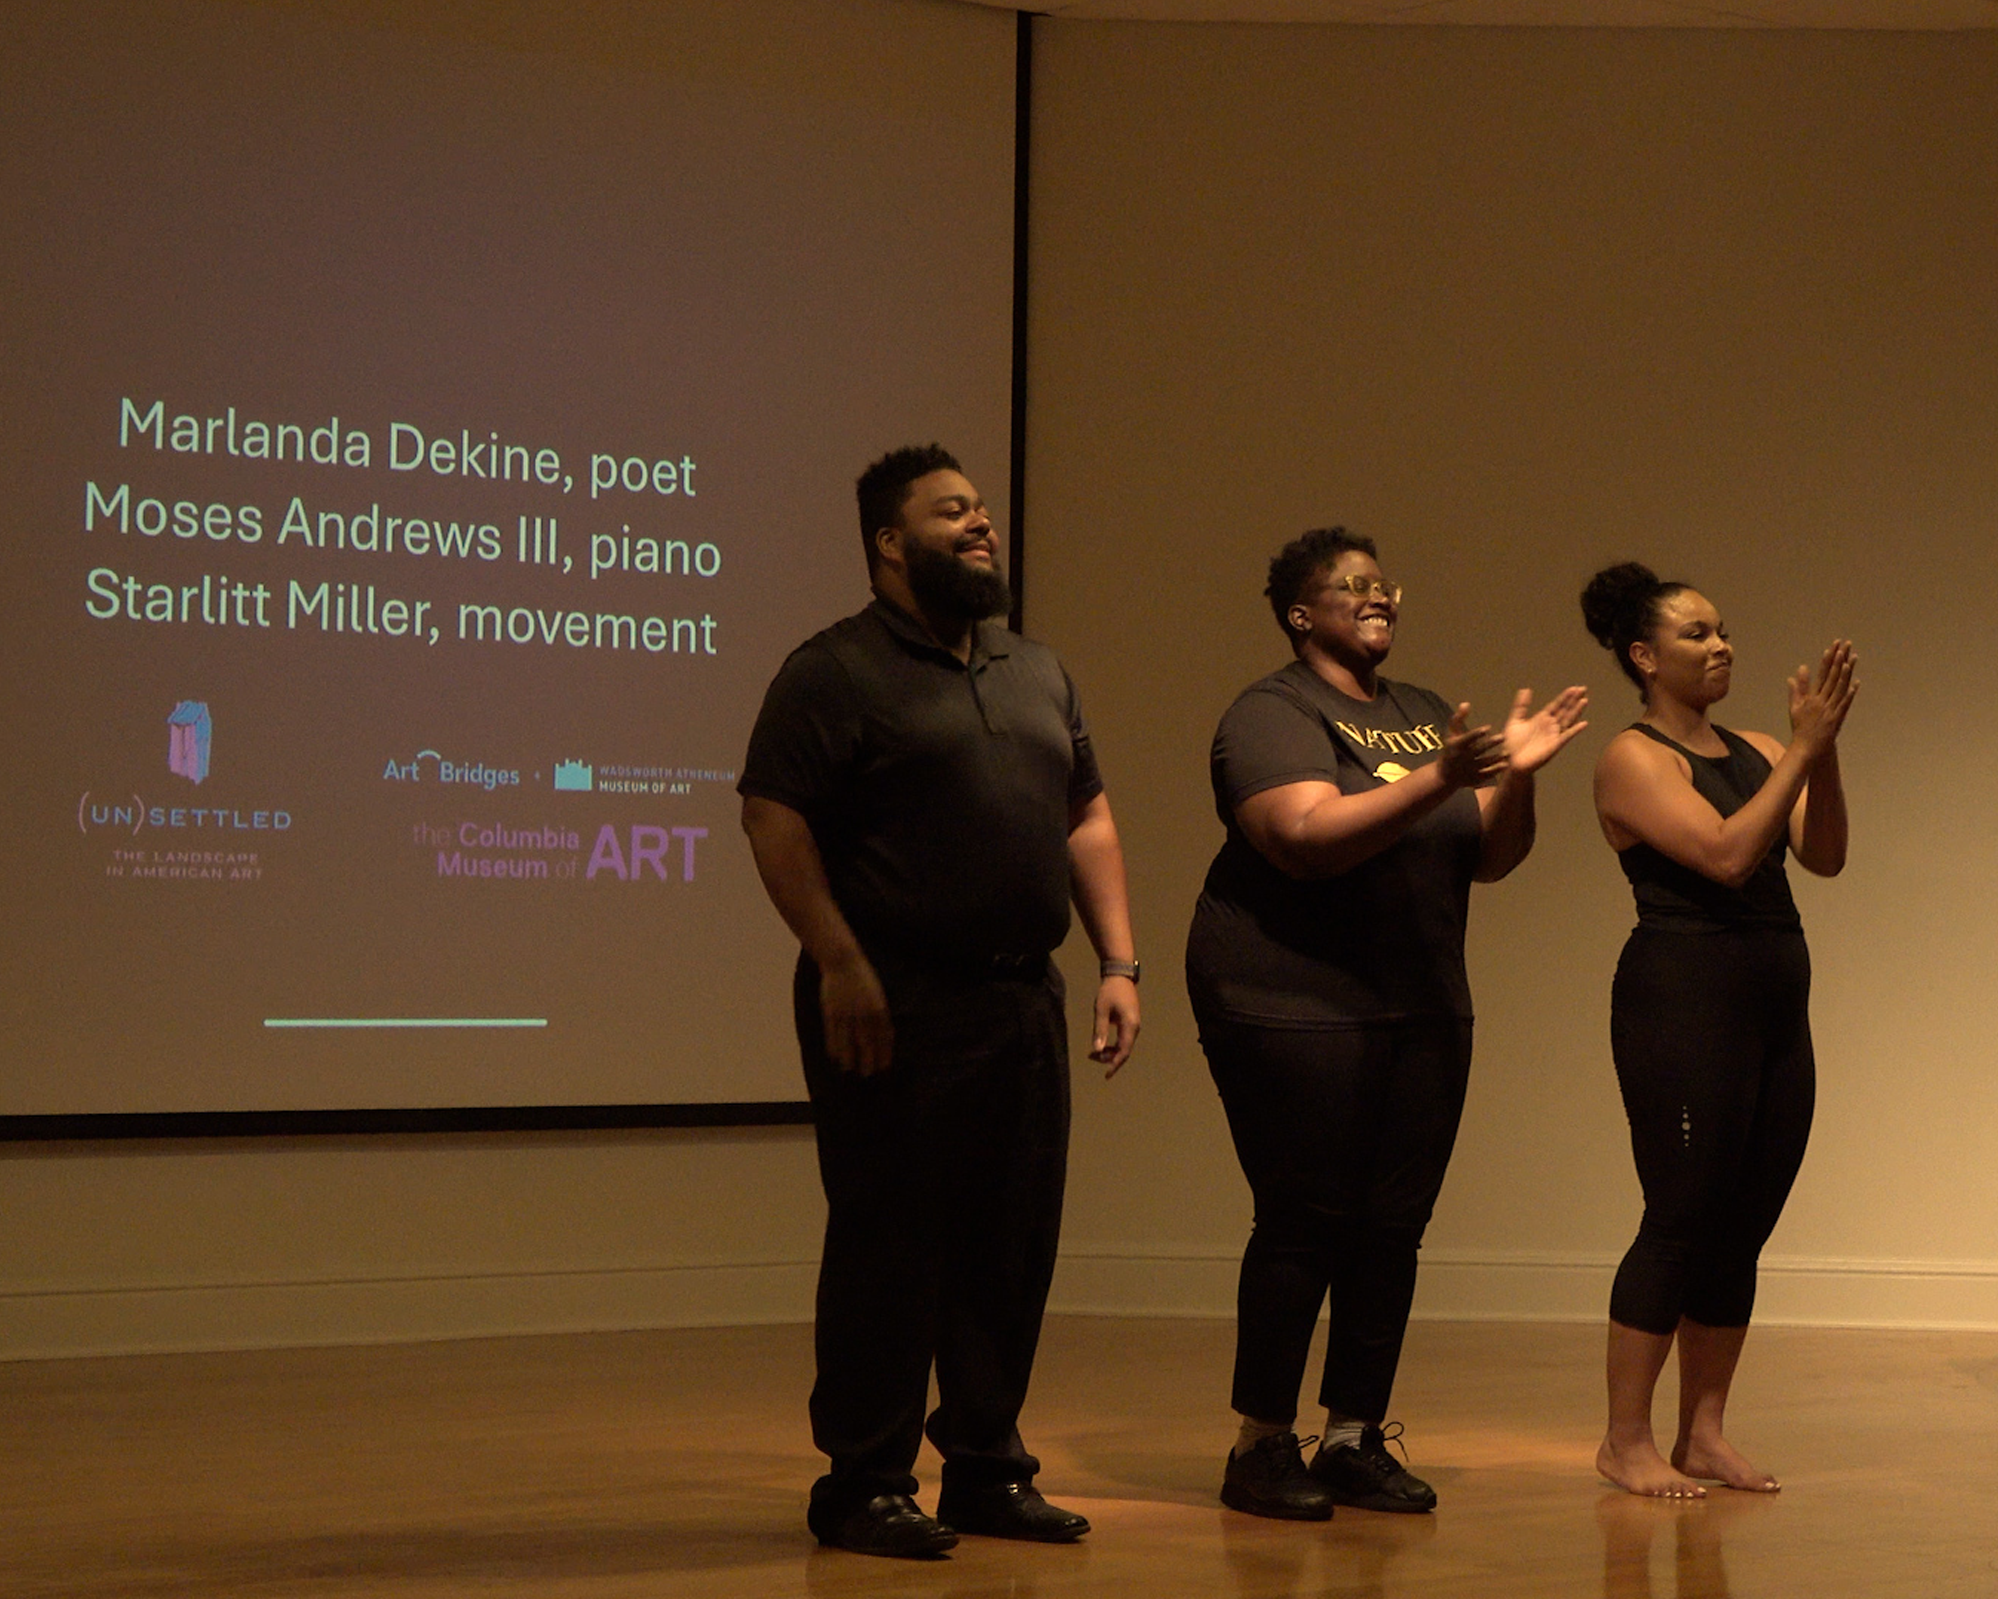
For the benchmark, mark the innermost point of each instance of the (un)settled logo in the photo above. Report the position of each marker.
(189, 730)
(575, 775)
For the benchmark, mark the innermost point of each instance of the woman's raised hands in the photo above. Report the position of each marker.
(1818, 708)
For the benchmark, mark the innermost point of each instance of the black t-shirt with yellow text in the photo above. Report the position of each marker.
(1381, 942)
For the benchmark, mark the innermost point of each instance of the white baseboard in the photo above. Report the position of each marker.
(1454, 1286)
(271, 1315)
(1458, 1285)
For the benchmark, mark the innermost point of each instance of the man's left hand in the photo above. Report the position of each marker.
(1116, 1023)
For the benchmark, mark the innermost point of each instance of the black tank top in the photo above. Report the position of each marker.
(1677, 897)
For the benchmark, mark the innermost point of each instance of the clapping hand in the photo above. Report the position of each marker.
(1472, 756)
(1533, 738)
(1817, 710)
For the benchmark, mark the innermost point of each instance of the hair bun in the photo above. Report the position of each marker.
(1615, 596)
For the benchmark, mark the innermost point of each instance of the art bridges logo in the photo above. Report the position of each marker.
(428, 766)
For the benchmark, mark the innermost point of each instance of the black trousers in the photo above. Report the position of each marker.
(1344, 1136)
(943, 1178)
(1711, 1035)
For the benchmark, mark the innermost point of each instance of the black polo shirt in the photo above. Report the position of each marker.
(939, 791)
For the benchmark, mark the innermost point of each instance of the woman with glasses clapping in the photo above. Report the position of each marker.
(1709, 1021)
(1326, 969)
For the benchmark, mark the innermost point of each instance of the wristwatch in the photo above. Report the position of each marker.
(1119, 969)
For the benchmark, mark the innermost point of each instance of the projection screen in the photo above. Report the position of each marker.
(426, 430)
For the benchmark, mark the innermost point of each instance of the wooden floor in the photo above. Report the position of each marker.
(676, 1463)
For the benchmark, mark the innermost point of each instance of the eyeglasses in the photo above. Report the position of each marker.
(1360, 586)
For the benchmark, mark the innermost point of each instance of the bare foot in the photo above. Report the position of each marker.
(1717, 1460)
(1640, 1469)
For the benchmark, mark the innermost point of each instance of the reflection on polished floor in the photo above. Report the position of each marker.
(676, 1463)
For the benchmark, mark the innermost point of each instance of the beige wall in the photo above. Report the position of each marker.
(1514, 302)
(1519, 302)
(253, 1242)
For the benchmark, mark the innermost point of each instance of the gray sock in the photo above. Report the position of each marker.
(1254, 1432)
(1338, 1434)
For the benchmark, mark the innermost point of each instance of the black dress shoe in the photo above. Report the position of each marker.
(1008, 1510)
(1367, 1477)
(888, 1524)
(1270, 1480)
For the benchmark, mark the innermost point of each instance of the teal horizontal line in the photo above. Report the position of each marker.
(405, 1021)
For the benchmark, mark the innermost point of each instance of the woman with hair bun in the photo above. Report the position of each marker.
(1709, 1022)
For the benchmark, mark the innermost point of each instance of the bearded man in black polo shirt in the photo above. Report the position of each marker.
(922, 801)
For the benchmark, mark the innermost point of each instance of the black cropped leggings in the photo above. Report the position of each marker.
(1712, 1041)
(1344, 1136)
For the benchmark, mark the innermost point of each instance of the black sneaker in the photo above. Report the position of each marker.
(1367, 1477)
(1270, 1480)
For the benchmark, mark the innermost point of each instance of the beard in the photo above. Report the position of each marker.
(945, 586)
